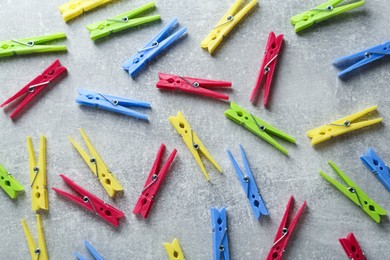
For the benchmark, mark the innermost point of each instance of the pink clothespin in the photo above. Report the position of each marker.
(352, 247)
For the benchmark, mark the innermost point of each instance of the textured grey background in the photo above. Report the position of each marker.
(306, 94)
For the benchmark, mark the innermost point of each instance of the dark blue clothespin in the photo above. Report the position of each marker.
(220, 234)
(158, 44)
(249, 184)
(92, 250)
(375, 164)
(362, 58)
(112, 103)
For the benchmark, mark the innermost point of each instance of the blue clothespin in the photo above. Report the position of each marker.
(92, 250)
(249, 184)
(158, 44)
(375, 164)
(220, 234)
(362, 58)
(112, 103)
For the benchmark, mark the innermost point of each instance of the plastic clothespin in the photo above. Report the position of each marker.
(249, 184)
(268, 66)
(360, 59)
(341, 126)
(38, 181)
(121, 22)
(91, 249)
(321, 13)
(192, 85)
(285, 231)
(354, 193)
(192, 141)
(220, 234)
(173, 250)
(377, 166)
(257, 126)
(352, 247)
(36, 86)
(226, 24)
(157, 45)
(112, 103)
(37, 252)
(153, 182)
(97, 166)
(91, 202)
(75, 8)
(10, 185)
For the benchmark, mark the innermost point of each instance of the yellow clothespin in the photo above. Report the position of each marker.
(192, 141)
(37, 252)
(38, 175)
(75, 8)
(173, 250)
(226, 24)
(341, 126)
(97, 166)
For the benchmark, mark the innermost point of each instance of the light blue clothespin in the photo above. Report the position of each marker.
(158, 44)
(220, 234)
(92, 250)
(112, 103)
(249, 184)
(375, 164)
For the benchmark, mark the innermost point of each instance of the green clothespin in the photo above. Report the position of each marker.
(9, 184)
(321, 13)
(257, 126)
(121, 22)
(31, 45)
(354, 193)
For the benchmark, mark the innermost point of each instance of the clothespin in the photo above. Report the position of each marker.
(97, 166)
(220, 234)
(36, 86)
(351, 62)
(92, 250)
(9, 184)
(192, 85)
(257, 126)
(268, 66)
(285, 231)
(153, 182)
(226, 24)
(352, 247)
(37, 252)
(341, 126)
(157, 45)
(173, 250)
(90, 202)
(121, 22)
(377, 166)
(31, 45)
(75, 8)
(321, 13)
(192, 141)
(38, 179)
(357, 195)
(112, 103)
(249, 184)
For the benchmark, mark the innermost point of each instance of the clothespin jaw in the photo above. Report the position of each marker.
(220, 234)
(226, 24)
(75, 8)
(257, 126)
(91, 249)
(98, 166)
(352, 247)
(321, 13)
(37, 252)
(173, 250)
(9, 184)
(193, 142)
(121, 22)
(355, 194)
(377, 166)
(341, 126)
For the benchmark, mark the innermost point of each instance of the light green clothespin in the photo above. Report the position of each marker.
(121, 22)
(321, 13)
(354, 193)
(257, 126)
(9, 184)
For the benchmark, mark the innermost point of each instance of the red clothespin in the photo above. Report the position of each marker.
(352, 247)
(268, 66)
(91, 202)
(153, 183)
(284, 232)
(36, 86)
(193, 85)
